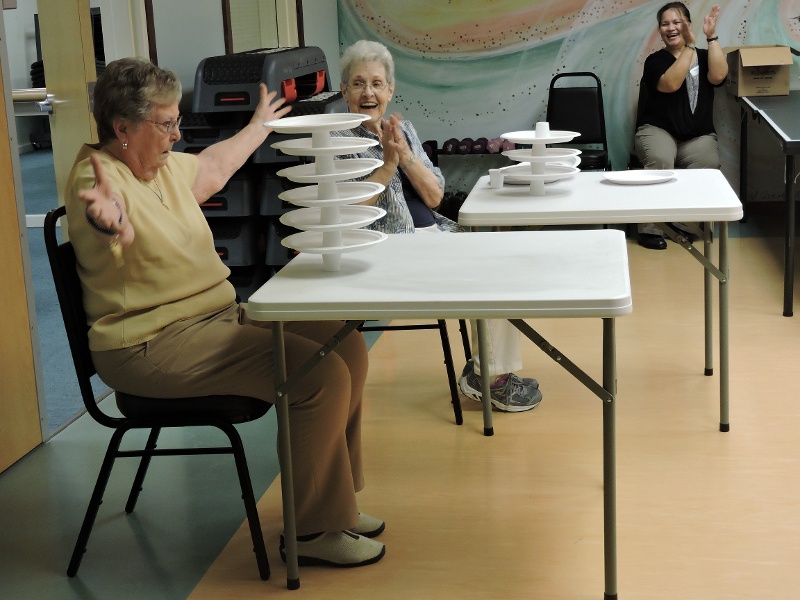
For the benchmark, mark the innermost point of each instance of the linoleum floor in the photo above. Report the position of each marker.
(701, 514)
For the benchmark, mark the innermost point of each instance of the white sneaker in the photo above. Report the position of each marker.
(337, 549)
(368, 526)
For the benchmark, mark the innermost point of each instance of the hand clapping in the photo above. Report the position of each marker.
(395, 147)
(710, 22)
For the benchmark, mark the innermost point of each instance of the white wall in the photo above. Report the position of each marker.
(321, 28)
(187, 31)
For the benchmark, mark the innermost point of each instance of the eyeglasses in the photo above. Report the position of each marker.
(166, 127)
(361, 86)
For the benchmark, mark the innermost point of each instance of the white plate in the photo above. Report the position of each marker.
(352, 241)
(338, 145)
(351, 217)
(348, 192)
(529, 137)
(549, 155)
(521, 174)
(346, 168)
(314, 123)
(638, 176)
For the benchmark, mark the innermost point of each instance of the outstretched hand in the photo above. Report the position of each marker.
(106, 208)
(269, 108)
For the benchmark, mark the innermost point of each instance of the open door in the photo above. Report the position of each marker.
(20, 423)
(65, 29)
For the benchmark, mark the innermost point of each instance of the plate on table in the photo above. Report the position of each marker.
(638, 177)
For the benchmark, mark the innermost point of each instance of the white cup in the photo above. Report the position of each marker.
(542, 129)
(495, 178)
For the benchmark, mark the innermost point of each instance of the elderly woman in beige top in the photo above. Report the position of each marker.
(164, 321)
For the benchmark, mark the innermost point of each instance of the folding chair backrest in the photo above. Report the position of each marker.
(64, 267)
(578, 108)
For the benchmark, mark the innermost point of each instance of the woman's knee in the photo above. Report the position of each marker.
(700, 153)
(655, 148)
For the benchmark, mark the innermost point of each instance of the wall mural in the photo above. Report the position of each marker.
(478, 68)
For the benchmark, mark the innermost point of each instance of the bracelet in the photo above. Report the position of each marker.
(410, 162)
(714, 39)
(100, 228)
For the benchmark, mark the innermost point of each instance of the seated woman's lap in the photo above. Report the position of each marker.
(215, 354)
(699, 153)
(657, 149)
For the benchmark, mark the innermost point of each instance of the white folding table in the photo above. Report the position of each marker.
(691, 196)
(565, 274)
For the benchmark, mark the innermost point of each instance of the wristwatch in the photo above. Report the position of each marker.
(714, 39)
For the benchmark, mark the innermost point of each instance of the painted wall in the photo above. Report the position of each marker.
(478, 68)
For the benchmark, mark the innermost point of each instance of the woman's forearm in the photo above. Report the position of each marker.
(424, 181)
(672, 79)
(220, 161)
(382, 175)
(717, 63)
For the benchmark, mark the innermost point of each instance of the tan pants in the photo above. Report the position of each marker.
(218, 354)
(657, 149)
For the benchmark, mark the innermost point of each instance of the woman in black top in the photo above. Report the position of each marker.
(676, 125)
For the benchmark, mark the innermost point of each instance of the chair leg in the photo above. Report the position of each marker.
(95, 502)
(451, 373)
(462, 326)
(248, 496)
(138, 481)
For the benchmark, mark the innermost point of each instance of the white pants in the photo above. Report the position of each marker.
(505, 355)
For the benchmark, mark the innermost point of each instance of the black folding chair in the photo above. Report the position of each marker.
(441, 325)
(138, 412)
(580, 108)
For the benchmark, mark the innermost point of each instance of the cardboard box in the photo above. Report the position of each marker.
(758, 70)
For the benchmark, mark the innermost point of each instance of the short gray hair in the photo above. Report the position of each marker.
(366, 51)
(127, 90)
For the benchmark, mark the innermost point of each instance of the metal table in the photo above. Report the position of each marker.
(568, 274)
(779, 114)
(691, 196)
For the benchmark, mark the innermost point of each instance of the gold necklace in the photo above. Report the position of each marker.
(158, 193)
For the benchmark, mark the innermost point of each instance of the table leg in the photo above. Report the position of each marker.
(483, 354)
(708, 233)
(285, 459)
(609, 460)
(788, 270)
(724, 390)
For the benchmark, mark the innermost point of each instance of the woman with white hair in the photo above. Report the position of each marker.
(414, 188)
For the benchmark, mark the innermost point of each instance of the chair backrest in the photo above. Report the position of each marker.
(64, 267)
(578, 108)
